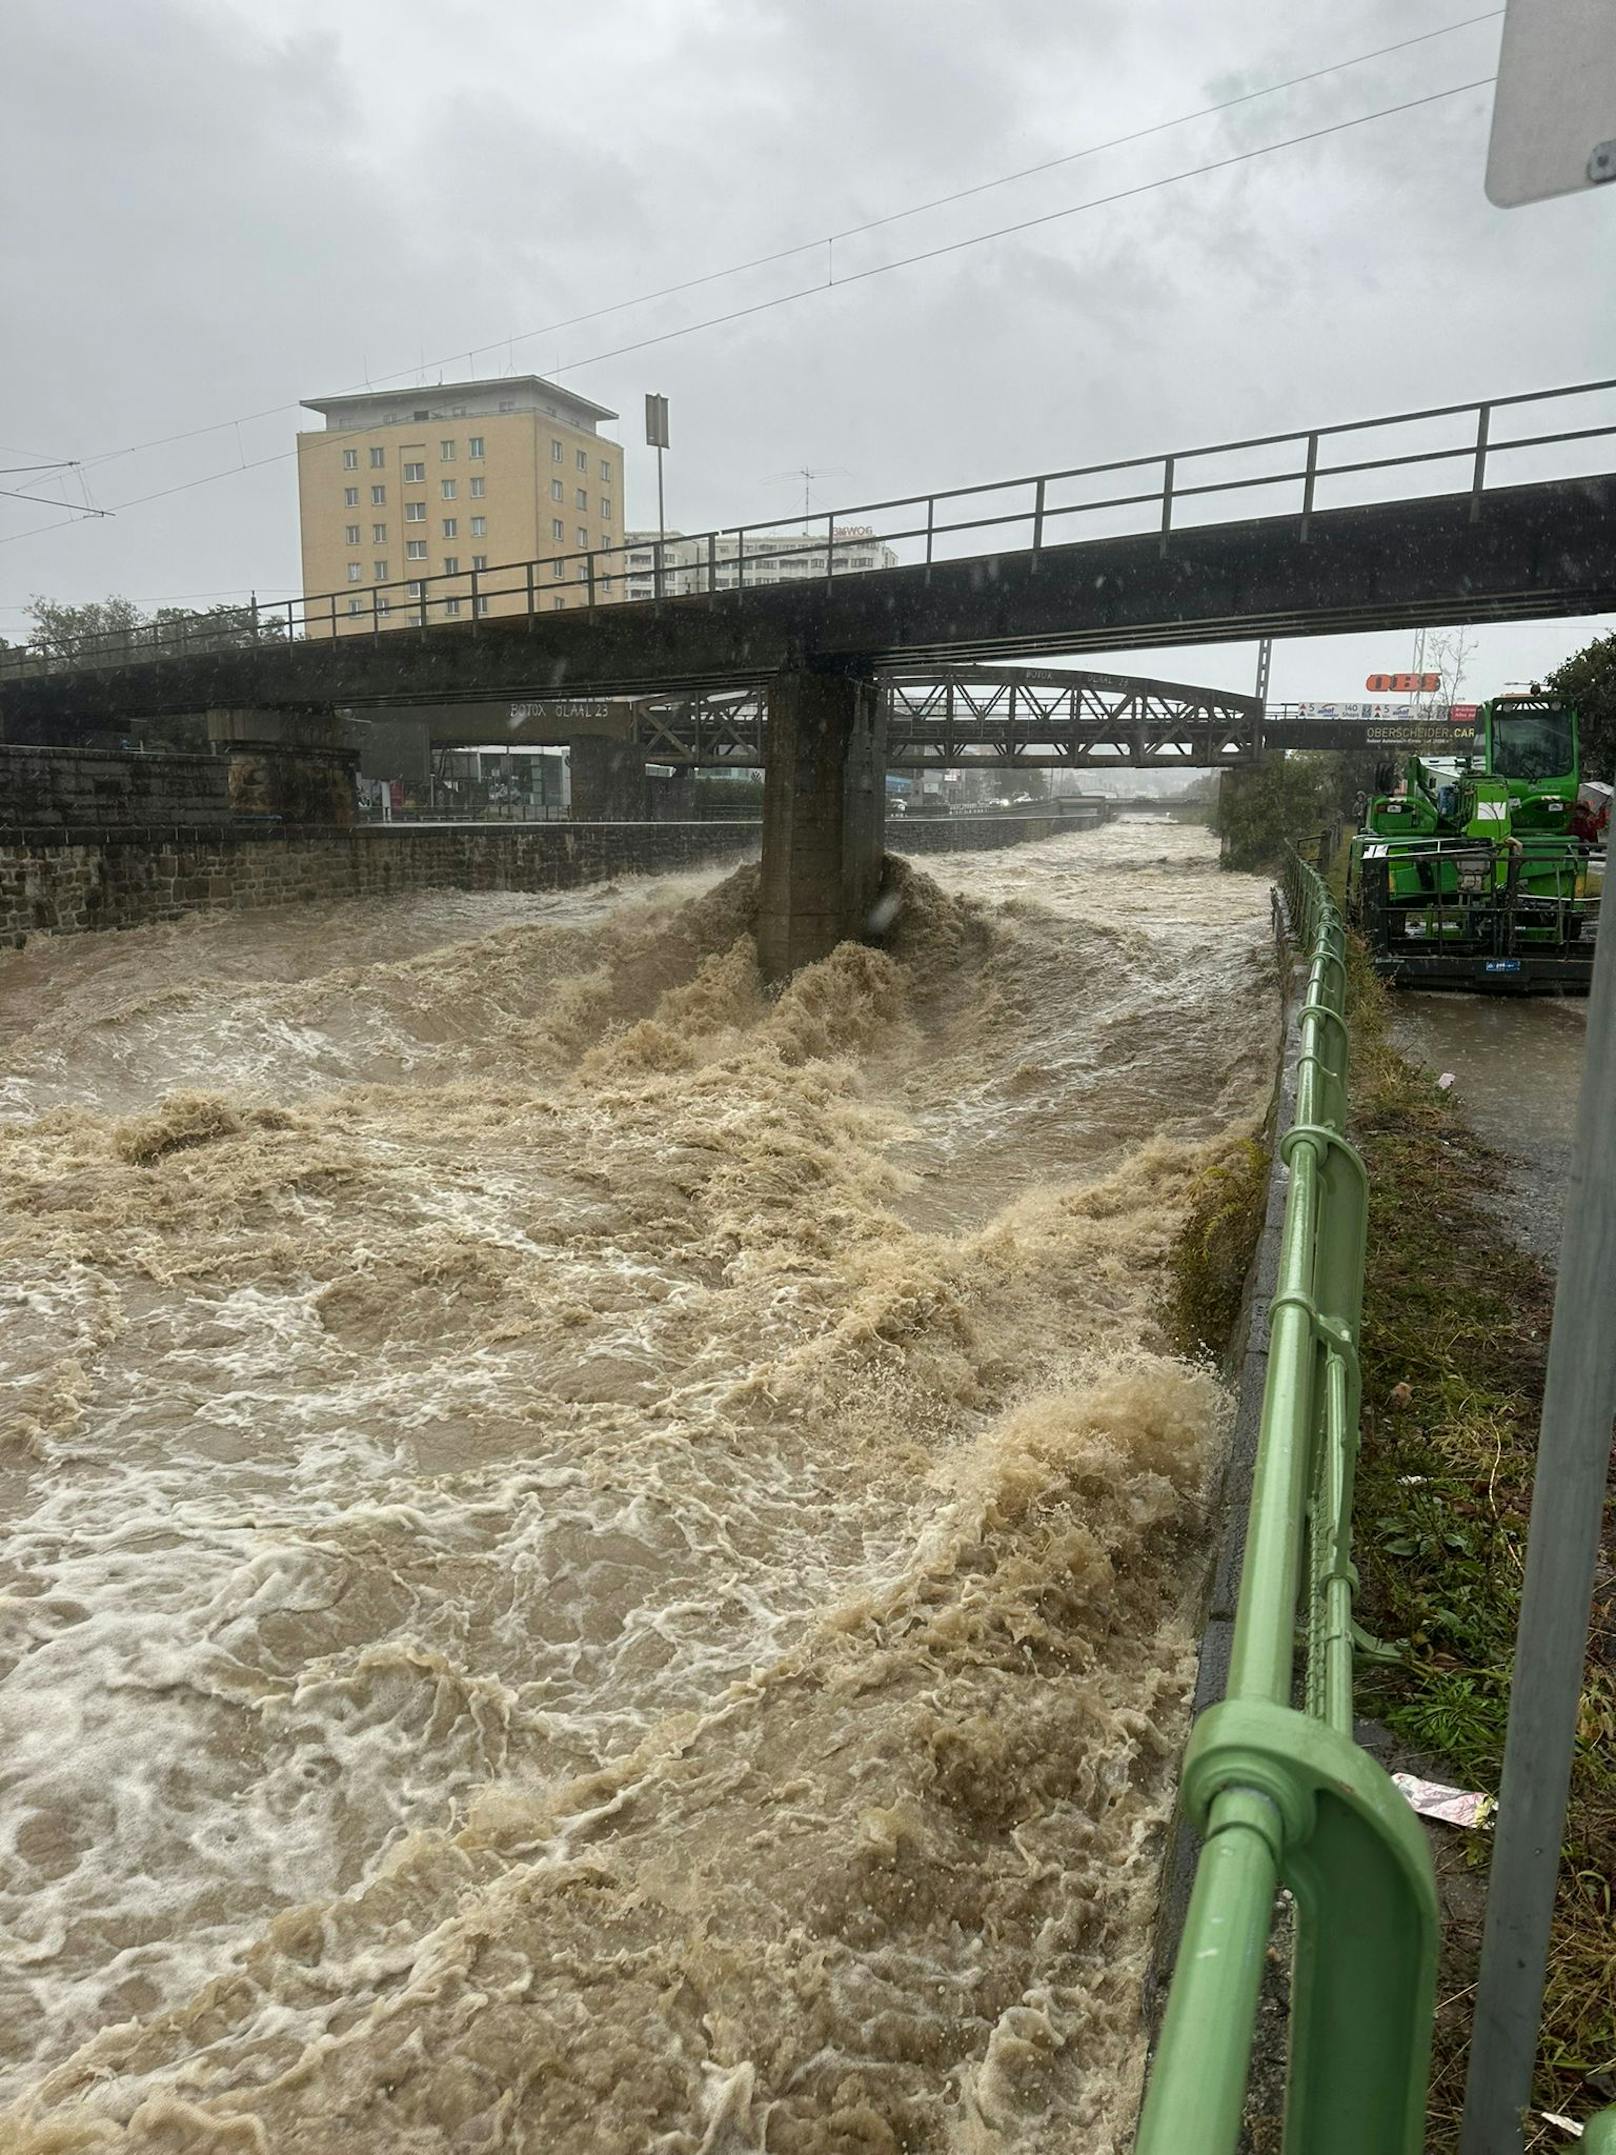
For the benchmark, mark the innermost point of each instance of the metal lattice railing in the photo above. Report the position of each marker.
(1280, 1792)
(1296, 475)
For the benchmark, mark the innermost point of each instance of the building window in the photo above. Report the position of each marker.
(350, 497)
(479, 527)
(352, 535)
(414, 590)
(381, 606)
(583, 498)
(414, 474)
(451, 606)
(378, 534)
(415, 512)
(556, 452)
(606, 470)
(479, 487)
(415, 549)
(557, 491)
(556, 531)
(583, 460)
(507, 404)
(356, 606)
(379, 569)
(582, 572)
(451, 564)
(378, 457)
(474, 447)
(557, 603)
(556, 570)
(479, 561)
(583, 536)
(378, 497)
(350, 459)
(451, 527)
(446, 487)
(606, 508)
(356, 570)
(482, 606)
(446, 452)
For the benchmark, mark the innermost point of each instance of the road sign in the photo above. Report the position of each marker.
(1404, 684)
(1554, 110)
(656, 422)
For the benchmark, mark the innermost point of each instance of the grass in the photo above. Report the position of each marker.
(1455, 1341)
(1214, 1250)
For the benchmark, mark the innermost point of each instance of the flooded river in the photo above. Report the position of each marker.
(598, 1561)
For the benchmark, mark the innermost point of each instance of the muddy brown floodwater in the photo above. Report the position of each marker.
(597, 1561)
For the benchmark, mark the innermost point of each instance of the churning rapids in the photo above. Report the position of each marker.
(599, 1562)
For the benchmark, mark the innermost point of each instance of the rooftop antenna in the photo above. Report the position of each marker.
(807, 476)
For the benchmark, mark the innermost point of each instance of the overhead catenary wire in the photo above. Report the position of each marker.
(472, 353)
(841, 283)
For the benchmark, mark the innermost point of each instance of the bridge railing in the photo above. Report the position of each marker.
(1306, 470)
(1279, 1790)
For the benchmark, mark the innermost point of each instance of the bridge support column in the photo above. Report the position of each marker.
(295, 764)
(824, 816)
(608, 780)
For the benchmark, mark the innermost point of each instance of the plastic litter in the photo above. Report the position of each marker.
(1454, 1806)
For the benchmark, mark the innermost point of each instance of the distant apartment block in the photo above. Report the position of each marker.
(423, 496)
(788, 557)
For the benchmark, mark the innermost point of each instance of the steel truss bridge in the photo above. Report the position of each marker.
(952, 718)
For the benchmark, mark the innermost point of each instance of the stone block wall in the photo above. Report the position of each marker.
(61, 880)
(58, 787)
(970, 834)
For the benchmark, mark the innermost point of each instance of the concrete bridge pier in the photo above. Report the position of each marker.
(295, 764)
(608, 780)
(824, 816)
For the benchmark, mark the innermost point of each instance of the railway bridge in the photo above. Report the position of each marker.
(1477, 512)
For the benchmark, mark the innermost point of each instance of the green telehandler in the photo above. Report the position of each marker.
(1483, 869)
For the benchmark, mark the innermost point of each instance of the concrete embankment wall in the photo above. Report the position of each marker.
(60, 879)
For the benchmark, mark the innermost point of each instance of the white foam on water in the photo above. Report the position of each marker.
(599, 1559)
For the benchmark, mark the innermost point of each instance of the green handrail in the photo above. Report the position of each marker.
(1280, 1792)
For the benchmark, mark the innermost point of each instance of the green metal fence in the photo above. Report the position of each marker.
(1279, 1792)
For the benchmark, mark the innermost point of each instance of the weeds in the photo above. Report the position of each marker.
(1455, 1341)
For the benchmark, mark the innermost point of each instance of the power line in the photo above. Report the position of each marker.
(882, 269)
(828, 240)
(43, 501)
(1027, 224)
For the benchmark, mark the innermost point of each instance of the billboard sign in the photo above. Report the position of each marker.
(1404, 684)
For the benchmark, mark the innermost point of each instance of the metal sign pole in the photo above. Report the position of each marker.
(656, 437)
(1568, 1492)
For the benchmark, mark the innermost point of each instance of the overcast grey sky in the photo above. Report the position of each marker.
(216, 207)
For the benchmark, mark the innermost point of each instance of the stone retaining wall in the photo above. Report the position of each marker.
(63, 881)
(53, 788)
(60, 879)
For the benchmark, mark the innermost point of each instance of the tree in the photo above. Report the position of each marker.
(59, 626)
(1587, 681)
(1263, 808)
(1451, 651)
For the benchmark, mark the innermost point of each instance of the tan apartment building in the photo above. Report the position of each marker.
(442, 498)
